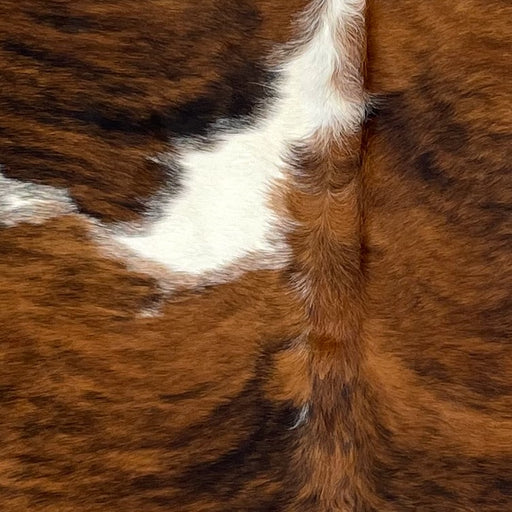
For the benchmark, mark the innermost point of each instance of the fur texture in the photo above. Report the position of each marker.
(339, 170)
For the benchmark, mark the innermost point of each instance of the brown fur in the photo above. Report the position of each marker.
(399, 348)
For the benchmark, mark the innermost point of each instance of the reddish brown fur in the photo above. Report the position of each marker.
(400, 349)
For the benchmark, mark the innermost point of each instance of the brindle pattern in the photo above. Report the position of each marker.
(439, 279)
(407, 371)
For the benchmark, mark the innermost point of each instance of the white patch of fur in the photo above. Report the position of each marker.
(223, 212)
(313, 72)
(223, 215)
(30, 202)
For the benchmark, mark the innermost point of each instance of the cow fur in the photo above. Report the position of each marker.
(255, 256)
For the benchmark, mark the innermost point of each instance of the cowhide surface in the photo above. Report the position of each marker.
(255, 256)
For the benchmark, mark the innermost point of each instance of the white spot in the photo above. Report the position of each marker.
(30, 202)
(223, 211)
(302, 417)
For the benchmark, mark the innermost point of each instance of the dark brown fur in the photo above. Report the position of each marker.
(401, 351)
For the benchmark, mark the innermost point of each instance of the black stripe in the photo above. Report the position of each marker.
(264, 449)
(54, 59)
(66, 23)
(236, 97)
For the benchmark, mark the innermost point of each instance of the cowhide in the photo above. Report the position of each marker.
(255, 256)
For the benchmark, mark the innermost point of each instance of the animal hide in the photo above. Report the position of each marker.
(255, 256)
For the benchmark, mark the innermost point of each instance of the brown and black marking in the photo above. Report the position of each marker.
(407, 370)
(436, 164)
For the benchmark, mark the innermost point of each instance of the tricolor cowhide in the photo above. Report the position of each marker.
(255, 256)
